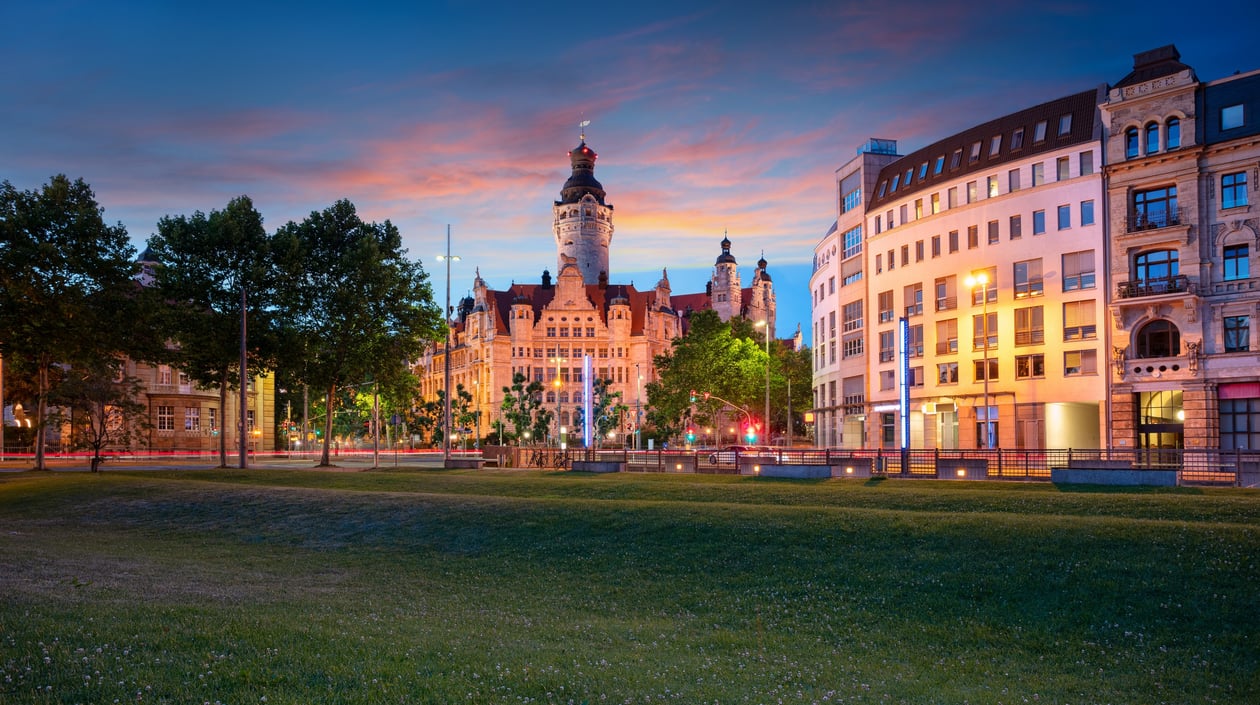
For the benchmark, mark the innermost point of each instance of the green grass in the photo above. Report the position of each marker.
(514, 587)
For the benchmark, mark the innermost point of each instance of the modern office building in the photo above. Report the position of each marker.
(974, 293)
(1182, 157)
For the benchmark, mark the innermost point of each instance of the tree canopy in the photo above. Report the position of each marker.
(358, 309)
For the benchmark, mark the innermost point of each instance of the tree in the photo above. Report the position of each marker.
(521, 402)
(710, 358)
(204, 264)
(606, 410)
(358, 307)
(67, 298)
(103, 407)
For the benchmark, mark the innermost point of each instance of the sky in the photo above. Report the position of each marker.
(708, 117)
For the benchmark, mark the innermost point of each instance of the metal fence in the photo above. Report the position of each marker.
(1193, 466)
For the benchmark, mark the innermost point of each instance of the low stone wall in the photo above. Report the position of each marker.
(598, 466)
(1113, 476)
(464, 463)
(798, 472)
(962, 469)
(859, 468)
(1100, 464)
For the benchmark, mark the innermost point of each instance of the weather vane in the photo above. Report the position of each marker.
(582, 135)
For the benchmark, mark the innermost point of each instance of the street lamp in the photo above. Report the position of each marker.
(559, 386)
(983, 280)
(766, 419)
(446, 315)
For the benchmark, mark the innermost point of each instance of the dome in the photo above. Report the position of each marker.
(726, 257)
(582, 181)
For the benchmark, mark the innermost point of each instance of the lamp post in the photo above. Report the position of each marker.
(983, 280)
(766, 418)
(638, 404)
(558, 385)
(446, 315)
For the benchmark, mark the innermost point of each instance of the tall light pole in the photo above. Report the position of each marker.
(446, 318)
(244, 428)
(558, 385)
(1, 407)
(638, 404)
(983, 280)
(766, 418)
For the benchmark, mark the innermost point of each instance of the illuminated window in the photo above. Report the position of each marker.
(1080, 362)
(1030, 326)
(1079, 321)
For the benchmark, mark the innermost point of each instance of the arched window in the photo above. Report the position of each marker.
(1158, 339)
(1152, 137)
(1131, 143)
(1173, 139)
(1155, 265)
(551, 397)
(564, 397)
(577, 397)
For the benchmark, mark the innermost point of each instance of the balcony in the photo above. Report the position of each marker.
(1153, 287)
(1137, 222)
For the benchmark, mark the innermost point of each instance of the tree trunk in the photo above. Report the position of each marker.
(328, 424)
(223, 418)
(41, 412)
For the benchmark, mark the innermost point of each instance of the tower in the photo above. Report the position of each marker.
(583, 221)
(724, 287)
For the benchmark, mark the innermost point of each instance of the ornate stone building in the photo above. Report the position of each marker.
(1182, 159)
(544, 330)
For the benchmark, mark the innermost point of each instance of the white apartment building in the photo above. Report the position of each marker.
(1016, 362)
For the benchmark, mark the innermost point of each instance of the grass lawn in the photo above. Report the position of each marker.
(515, 587)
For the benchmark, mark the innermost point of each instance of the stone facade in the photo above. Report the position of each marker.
(1181, 182)
(545, 330)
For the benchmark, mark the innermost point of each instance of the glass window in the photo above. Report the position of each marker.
(1237, 264)
(1012, 180)
(1231, 117)
(1063, 168)
(1078, 320)
(978, 331)
(980, 375)
(853, 242)
(972, 195)
(885, 306)
(1080, 362)
(1174, 133)
(936, 203)
(956, 160)
(923, 171)
(995, 145)
(909, 176)
(1030, 326)
(1240, 424)
(947, 373)
(1038, 173)
(1087, 163)
(992, 186)
(1131, 143)
(1156, 265)
(895, 182)
(1039, 132)
(1017, 227)
(1065, 124)
(1017, 138)
(883, 186)
(973, 237)
(1078, 270)
(887, 346)
(1087, 212)
(918, 251)
(940, 165)
(914, 299)
(1237, 333)
(918, 208)
(1159, 338)
(952, 197)
(915, 340)
(953, 240)
(192, 419)
(1234, 190)
(1152, 137)
(975, 153)
(1030, 366)
(936, 245)
(1155, 208)
(1065, 217)
(993, 232)
(1039, 222)
(1028, 278)
(166, 418)
(947, 336)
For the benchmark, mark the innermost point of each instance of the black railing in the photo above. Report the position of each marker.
(1137, 222)
(1152, 287)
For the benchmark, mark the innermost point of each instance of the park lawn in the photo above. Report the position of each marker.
(510, 587)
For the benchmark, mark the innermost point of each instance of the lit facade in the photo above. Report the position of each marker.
(544, 330)
(1019, 200)
(1182, 159)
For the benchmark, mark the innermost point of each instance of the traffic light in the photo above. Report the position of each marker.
(693, 396)
(750, 432)
(691, 435)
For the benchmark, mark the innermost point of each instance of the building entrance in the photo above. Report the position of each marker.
(1161, 420)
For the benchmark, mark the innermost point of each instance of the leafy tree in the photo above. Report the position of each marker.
(204, 262)
(521, 402)
(606, 410)
(710, 358)
(462, 415)
(104, 409)
(360, 309)
(67, 297)
(542, 424)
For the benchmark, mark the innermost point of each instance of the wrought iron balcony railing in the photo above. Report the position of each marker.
(1152, 287)
(1148, 220)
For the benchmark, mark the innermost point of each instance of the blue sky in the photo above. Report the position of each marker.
(707, 117)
